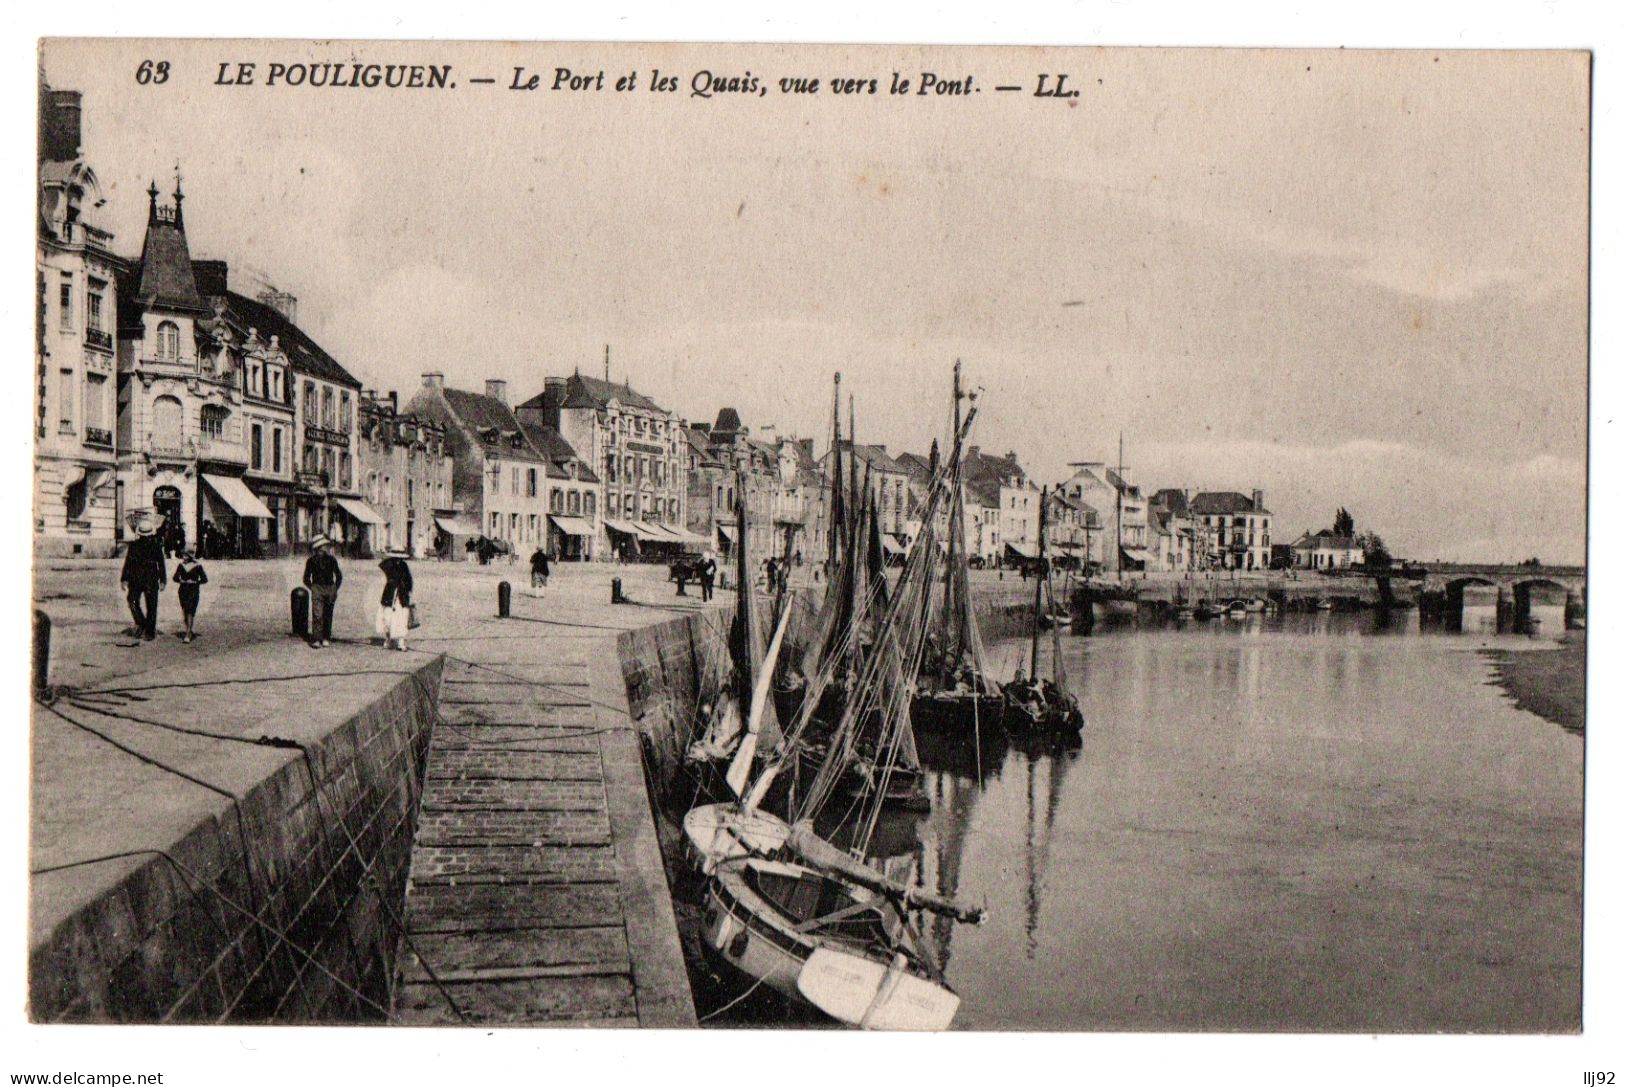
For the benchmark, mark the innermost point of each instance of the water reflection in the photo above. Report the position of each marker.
(1270, 822)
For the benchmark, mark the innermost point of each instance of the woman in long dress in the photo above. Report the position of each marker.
(395, 605)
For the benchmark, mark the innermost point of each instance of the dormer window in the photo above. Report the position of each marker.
(169, 341)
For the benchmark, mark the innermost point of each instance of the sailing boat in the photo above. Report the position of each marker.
(955, 693)
(1034, 703)
(724, 714)
(784, 906)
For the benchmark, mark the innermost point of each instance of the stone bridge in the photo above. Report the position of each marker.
(1486, 596)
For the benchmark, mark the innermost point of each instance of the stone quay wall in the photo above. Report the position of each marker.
(281, 907)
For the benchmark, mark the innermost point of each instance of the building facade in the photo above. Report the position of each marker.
(499, 480)
(575, 497)
(77, 507)
(638, 451)
(1326, 551)
(1237, 529)
(1123, 542)
(1018, 499)
(232, 423)
(887, 483)
(405, 474)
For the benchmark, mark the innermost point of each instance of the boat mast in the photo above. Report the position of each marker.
(835, 511)
(1119, 488)
(1038, 592)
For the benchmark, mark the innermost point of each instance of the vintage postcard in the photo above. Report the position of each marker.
(888, 537)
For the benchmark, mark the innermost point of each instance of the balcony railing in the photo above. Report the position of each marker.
(99, 338)
(95, 435)
(325, 435)
(77, 233)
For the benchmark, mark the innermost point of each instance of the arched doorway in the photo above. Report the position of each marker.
(166, 502)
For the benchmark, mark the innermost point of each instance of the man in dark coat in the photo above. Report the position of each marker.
(323, 578)
(708, 577)
(144, 574)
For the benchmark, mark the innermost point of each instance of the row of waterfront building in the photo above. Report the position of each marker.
(162, 386)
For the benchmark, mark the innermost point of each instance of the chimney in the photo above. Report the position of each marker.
(394, 402)
(283, 302)
(210, 276)
(552, 400)
(1258, 499)
(497, 390)
(59, 125)
(434, 379)
(972, 452)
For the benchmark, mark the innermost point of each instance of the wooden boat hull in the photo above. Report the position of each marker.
(1024, 717)
(854, 978)
(950, 711)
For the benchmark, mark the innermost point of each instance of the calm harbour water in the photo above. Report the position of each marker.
(1272, 824)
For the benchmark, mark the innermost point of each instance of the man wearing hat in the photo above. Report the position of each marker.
(323, 578)
(143, 575)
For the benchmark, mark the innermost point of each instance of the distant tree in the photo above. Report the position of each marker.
(1376, 552)
(1343, 523)
(1530, 562)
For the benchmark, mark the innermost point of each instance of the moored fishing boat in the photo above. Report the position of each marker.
(1033, 703)
(785, 907)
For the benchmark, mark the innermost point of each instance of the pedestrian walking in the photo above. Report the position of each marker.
(143, 574)
(708, 576)
(395, 605)
(190, 577)
(538, 571)
(323, 578)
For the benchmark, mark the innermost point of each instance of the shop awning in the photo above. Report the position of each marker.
(657, 533)
(690, 540)
(451, 526)
(235, 493)
(728, 533)
(1136, 554)
(625, 528)
(359, 510)
(891, 545)
(571, 526)
(1021, 549)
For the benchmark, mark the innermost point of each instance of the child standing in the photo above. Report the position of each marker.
(189, 579)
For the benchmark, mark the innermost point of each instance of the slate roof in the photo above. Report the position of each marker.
(492, 423)
(166, 278)
(581, 391)
(558, 452)
(875, 457)
(983, 492)
(304, 353)
(1171, 499)
(1224, 502)
(1318, 540)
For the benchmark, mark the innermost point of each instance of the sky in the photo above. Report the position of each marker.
(1348, 279)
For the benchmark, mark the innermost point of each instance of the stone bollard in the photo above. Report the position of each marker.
(615, 594)
(504, 599)
(299, 612)
(42, 655)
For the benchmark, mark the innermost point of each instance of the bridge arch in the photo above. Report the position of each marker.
(1540, 604)
(1464, 600)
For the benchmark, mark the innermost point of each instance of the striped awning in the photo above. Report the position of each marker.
(571, 526)
(235, 493)
(355, 508)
